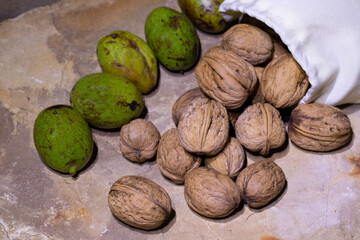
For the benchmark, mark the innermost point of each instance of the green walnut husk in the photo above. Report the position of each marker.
(205, 15)
(106, 101)
(173, 38)
(126, 55)
(63, 139)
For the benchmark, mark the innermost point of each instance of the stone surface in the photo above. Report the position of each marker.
(43, 53)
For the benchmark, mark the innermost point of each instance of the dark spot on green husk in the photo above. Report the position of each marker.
(174, 22)
(115, 35)
(133, 105)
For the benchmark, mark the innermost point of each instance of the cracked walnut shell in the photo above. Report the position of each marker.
(230, 160)
(249, 42)
(260, 128)
(184, 101)
(172, 159)
(319, 127)
(224, 76)
(210, 193)
(204, 127)
(260, 183)
(284, 83)
(139, 140)
(139, 202)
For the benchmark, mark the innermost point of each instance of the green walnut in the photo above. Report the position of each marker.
(173, 38)
(205, 14)
(63, 139)
(106, 101)
(126, 55)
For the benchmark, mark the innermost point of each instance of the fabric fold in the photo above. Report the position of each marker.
(323, 36)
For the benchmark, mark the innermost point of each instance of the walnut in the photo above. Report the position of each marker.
(172, 159)
(260, 183)
(259, 71)
(257, 96)
(212, 49)
(204, 127)
(184, 101)
(210, 193)
(224, 76)
(283, 82)
(319, 127)
(249, 42)
(139, 140)
(279, 48)
(260, 128)
(139, 202)
(234, 115)
(230, 160)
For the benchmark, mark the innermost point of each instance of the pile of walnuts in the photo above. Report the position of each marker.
(244, 84)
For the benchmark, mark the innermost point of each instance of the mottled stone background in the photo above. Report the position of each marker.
(44, 51)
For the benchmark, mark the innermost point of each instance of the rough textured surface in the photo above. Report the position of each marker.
(139, 202)
(184, 101)
(319, 132)
(230, 160)
(204, 127)
(249, 42)
(260, 128)
(211, 193)
(226, 77)
(257, 96)
(173, 160)
(139, 140)
(261, 182)
(43, 53)
(284, 82)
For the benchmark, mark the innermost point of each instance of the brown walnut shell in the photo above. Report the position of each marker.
(234, 115)
(319, 127)
(224, 76)
(284, 83)
(184, 101)
(230, 160)
(204, 127)
(260, 183)
(172, 159)
(212, 49)
(279, 48)
(260, 128)
(210, 193)
(139, 202)
(249, 42)
(257, 96)
(139, 140)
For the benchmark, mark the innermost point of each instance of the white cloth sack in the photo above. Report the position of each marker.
(322, 35)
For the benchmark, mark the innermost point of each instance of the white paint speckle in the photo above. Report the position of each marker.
(36, 79)
(105, 231)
